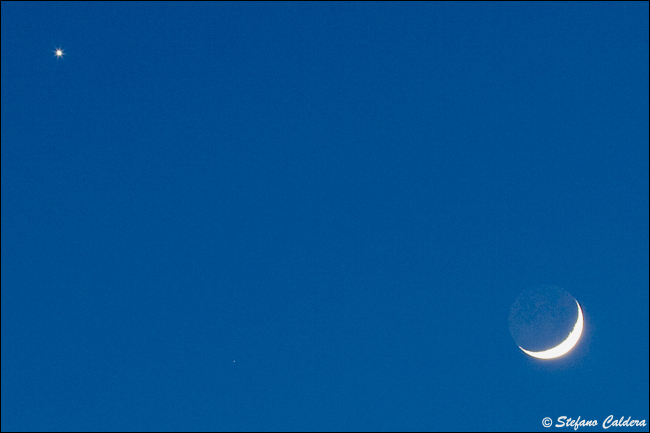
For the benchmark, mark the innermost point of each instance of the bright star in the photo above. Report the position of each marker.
(58, 53)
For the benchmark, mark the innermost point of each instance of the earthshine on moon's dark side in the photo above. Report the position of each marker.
(542, 317)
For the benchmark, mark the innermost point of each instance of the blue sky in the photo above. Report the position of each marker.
(316, 216)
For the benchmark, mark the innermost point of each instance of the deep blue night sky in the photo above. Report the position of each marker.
(316, 216)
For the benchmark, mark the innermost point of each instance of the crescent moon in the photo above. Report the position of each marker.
(564, 346)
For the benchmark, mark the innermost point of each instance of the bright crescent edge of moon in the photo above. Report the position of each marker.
(564, 346)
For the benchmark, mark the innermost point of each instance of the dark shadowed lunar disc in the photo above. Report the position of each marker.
(543, 317)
